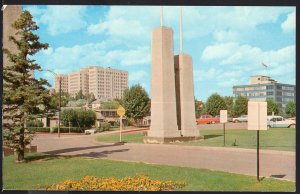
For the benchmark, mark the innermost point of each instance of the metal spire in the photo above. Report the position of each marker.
(181, 46)
(161, 16)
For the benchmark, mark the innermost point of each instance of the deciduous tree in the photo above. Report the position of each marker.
(214, 104)
(290, 109)
(272, 106)
(136, 102)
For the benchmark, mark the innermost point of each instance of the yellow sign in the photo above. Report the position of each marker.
(120, 111)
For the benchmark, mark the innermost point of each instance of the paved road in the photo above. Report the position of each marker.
(236, 160)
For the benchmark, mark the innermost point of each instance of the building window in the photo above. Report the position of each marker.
(270, 93)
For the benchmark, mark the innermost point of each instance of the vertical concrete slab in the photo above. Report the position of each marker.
(163, 99)
(10, 14)
(186, 89)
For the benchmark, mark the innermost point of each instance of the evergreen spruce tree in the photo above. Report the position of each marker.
(23, 95)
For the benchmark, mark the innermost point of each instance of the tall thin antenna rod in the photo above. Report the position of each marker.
(161, 16)
(181, 46)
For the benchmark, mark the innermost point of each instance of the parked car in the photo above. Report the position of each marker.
(279, 121)
(207, 119)
(242, 118)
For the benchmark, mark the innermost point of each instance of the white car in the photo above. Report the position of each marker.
(242, 118)
(279, 121)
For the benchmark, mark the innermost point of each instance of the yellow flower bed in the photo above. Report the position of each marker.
(136, 183)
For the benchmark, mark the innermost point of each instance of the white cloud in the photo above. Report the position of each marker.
(92, 54)
(72, 19)
(289, 24)
(219, 51)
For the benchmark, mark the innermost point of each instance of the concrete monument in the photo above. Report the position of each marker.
(163, 99)
(172, 90)
(185, 91)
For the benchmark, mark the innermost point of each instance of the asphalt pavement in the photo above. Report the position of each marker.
(235, 160)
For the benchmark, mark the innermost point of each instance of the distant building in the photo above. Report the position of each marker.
(104, 83)
(64, 83)
(263, 87)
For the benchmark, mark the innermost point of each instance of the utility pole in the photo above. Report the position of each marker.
(59, 110)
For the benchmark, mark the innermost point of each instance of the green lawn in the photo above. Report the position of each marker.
(272, 139)
(43, 170)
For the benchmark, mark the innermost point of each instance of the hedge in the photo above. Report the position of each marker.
(66, 130)
(39, 129)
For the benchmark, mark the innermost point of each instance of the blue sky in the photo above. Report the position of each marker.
(228, 44)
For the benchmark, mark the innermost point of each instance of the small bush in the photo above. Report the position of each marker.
(66, 130)
(103, 127)
(34, 123)
(39, 129)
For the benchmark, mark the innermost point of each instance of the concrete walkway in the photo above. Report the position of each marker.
(235, 160)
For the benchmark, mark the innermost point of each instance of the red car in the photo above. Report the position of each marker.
(207, 119)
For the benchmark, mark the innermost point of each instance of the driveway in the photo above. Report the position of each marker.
(235, 160)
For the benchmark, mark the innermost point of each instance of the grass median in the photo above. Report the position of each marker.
(272, 139)
(41, 171)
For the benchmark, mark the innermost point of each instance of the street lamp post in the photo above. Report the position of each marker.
(59, 110)
(59, 104)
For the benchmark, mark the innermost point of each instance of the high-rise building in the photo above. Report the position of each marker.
(64, 83)
(107, 83)
(104, 83)
(263, 87)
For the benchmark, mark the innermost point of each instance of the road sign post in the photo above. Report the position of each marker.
(223, 119)
(121, 112)
(257, 120)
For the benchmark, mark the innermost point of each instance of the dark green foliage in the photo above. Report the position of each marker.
(35, 123)
(272, 106)
(23, 96)
(110, 105)
(78, 118)
(214, 104)
(240, 106)
(54, 101)
(136, 102)
(229, 105)
(103, 127)
(39, 129)
(67, 130)
(199, 108)
(290, 109)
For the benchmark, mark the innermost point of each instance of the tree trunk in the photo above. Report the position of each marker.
(21, 149)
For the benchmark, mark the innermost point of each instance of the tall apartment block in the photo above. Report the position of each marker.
(104, 83)
(64, 83)
(263, 87)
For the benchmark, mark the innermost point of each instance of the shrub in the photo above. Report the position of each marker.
(66, 130)
(39, 129)
(103, 127)
(34, 123)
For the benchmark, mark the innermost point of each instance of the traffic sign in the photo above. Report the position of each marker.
(223, 116)
(120, 111)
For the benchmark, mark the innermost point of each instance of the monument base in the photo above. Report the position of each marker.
(161, 140)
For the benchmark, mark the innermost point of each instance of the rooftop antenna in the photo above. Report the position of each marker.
(161, 16)
(181, 49)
